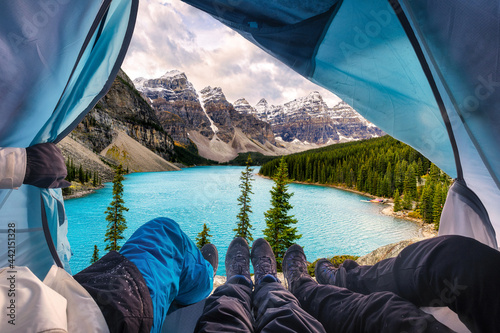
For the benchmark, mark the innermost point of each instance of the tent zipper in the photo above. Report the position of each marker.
(48, 236)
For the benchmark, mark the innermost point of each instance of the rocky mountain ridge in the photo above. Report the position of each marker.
(177, 105)
(169, 111)
(121, 127)
(309, 120)
(220, 129)
(207, 121)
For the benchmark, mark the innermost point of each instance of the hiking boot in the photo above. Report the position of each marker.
(325, 272)
(210, 253)
(264, 262)
(238, 259)
(294, 266)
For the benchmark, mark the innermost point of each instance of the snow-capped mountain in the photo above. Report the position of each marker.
(177, 105)
(206, 120)
(309, 120)
(171, 85)
(220, 129)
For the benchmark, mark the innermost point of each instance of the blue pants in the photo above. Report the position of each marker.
(171, 265)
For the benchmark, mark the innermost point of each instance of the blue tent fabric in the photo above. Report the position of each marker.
(460, 42)
(58, 58)
(367, 60)
(289, 30)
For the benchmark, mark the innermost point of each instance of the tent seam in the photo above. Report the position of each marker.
(403, 19)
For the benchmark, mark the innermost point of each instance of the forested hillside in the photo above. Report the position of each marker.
(382, 167)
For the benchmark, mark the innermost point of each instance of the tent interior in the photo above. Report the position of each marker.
(425, 72)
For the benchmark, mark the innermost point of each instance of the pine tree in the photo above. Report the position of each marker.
(437, 203)
(116, 221)
(397, 201)
(81, 175)
(73, 169)
(407, 202)
(95, 255)
(279, 232)
(95, 179)
(243, 228)
(420, 169)
(434, 173)
(203, 237)
(427, 200)
(410, 183)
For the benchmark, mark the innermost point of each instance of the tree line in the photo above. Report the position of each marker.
(81, 175)
(383, 167)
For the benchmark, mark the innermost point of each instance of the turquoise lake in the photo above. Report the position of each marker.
(331, 221)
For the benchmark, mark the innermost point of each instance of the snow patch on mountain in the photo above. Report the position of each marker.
(310, 120)
(171, 73)
(210, 121)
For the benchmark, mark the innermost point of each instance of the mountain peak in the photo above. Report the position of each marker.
(242, 106)
(241, 101)
(171, 73)
(139, 82)
(262, 102)
(212, 94)
(315, 95)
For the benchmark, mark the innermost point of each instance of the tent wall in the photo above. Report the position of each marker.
(460, 43)
(59, 57)
(368, 61)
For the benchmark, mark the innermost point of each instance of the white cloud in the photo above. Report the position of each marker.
(173, 35)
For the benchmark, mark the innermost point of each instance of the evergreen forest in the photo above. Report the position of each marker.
(80, 175)
(383, 167)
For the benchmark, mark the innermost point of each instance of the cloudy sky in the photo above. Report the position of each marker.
(172, 35)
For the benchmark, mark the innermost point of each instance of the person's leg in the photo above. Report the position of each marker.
(171, 264)
(106, 280)
(275, 308)
(228, 309)
(453, 271)
(341, 310)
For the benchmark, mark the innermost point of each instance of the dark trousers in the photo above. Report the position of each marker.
(275, 309)
(342, 310)
(452, 271)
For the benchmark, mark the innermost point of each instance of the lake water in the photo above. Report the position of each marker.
(331, 221)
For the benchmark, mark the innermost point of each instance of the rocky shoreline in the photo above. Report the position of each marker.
(426, 230)
(80, 191)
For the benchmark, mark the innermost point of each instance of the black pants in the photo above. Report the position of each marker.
(342, 310)
(275, 309)
(119, 289)
(452, 271)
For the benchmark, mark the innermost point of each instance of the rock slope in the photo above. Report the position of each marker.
(206, 120)
(220, 129)
(120, 116)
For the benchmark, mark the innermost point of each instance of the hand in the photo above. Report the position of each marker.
(45, 166)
